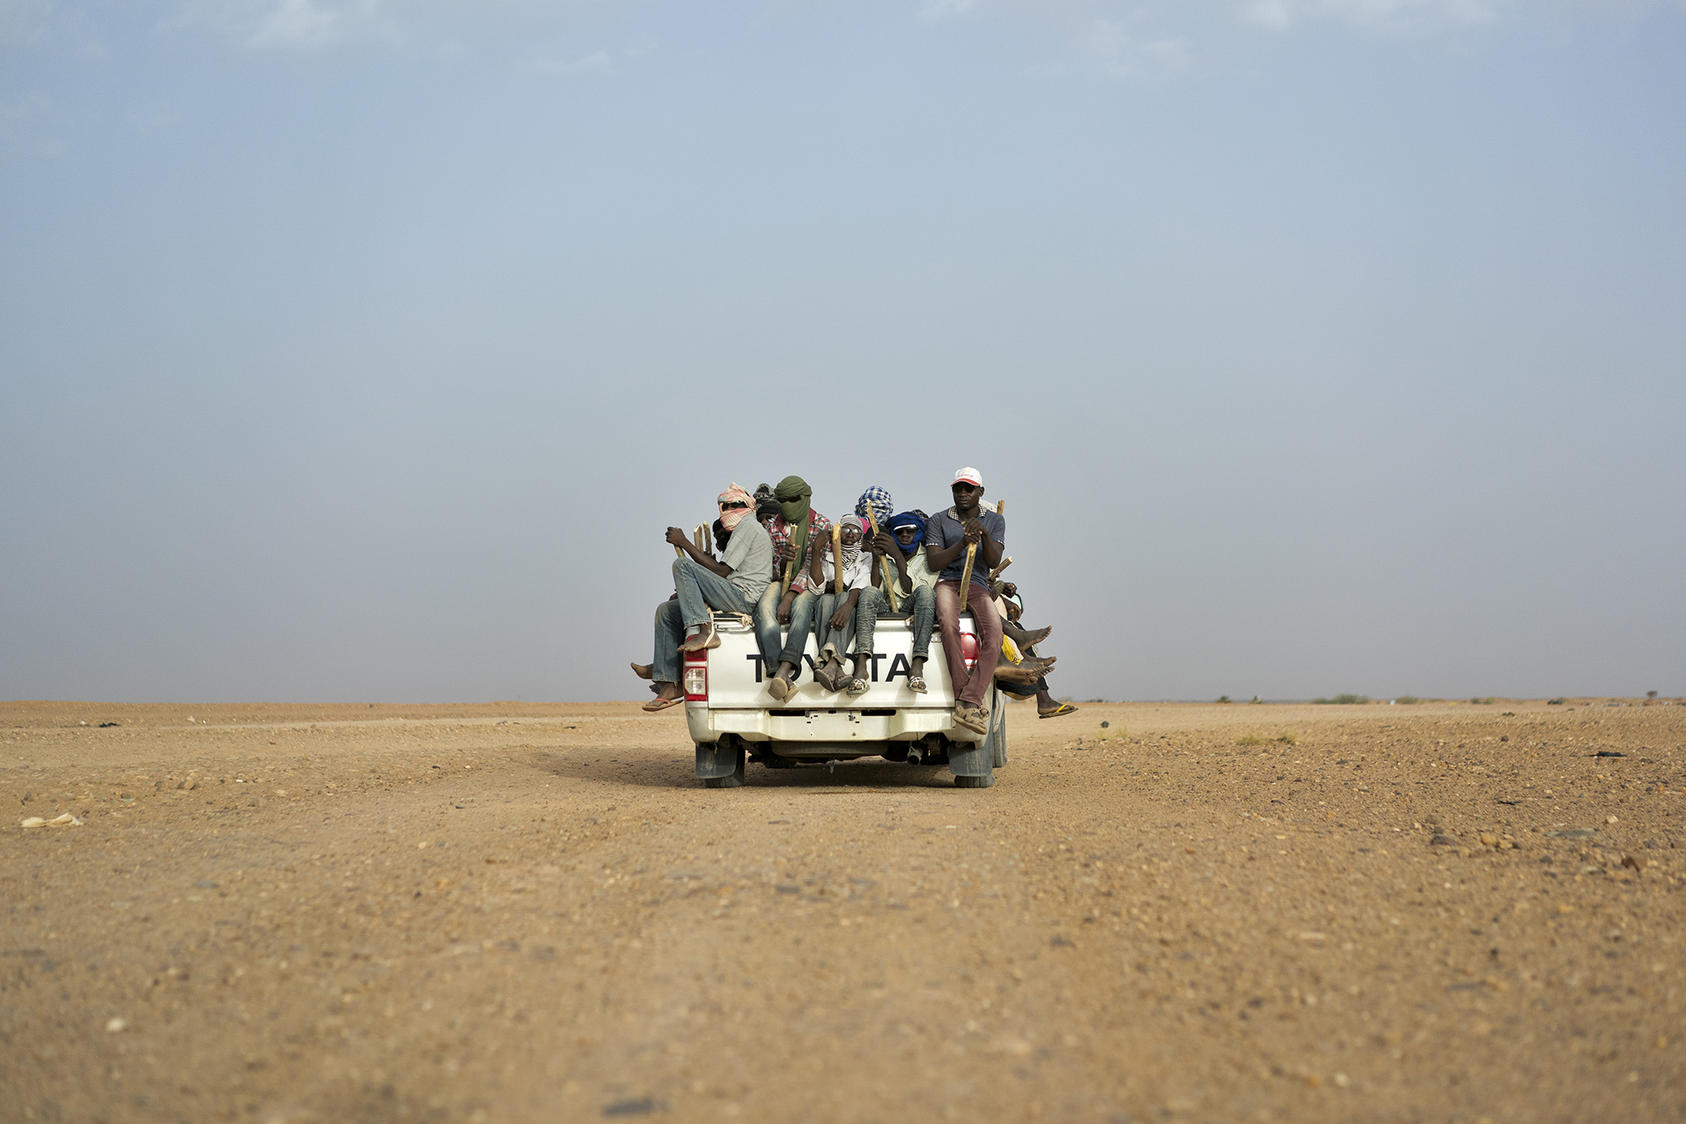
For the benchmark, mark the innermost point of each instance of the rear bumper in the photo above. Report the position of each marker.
(825, 730)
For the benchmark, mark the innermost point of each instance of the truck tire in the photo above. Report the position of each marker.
(975, 782)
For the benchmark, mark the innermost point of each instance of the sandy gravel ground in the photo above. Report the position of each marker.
(534, 912)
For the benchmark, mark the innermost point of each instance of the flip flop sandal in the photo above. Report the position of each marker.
(916, 684)
(971, 719)
(662, 704)
(1063, 708)
(855, 686)
(779, 688)
(643, 670)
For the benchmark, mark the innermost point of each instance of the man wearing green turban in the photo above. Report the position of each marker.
(787, 600)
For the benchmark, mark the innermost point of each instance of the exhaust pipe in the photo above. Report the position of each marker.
(915, 754)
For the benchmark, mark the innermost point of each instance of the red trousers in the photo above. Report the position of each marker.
(971, 687)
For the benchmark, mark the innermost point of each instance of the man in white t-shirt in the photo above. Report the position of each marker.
(834, 615)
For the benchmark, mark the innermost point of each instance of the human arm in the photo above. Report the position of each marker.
(845, 609)
(989, 547)
(678, 538)
(816, 571)
(939, 552)
(884, 545)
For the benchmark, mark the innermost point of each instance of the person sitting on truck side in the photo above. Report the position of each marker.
(733, 584)
(787, 599)
(1020, 664)
(1047, 706)
(946, 536)
(899, 540)
(874, 508)
(721, 537)
(834, 615)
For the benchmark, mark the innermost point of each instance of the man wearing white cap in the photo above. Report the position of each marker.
(946, 536)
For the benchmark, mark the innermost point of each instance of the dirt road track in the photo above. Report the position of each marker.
(533, 912)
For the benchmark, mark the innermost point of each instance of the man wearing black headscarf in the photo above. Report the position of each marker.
(787, 600)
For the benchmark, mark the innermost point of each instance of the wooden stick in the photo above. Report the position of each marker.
(966, 573)
(884, 564)
(966, 580)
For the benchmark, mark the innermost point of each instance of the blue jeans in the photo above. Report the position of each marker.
(700, 591)
(775, 651)
(670, 630)
(921, 605)
(836, 639)
(767, 635)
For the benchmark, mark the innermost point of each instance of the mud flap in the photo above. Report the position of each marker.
(998, 732)
(967, 759)
(717, 760)
(979, 761)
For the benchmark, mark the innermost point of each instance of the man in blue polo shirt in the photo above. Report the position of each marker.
(946, 536)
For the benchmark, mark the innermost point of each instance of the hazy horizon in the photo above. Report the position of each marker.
(358, 349)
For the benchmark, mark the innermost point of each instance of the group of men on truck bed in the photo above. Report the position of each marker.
(793, 573)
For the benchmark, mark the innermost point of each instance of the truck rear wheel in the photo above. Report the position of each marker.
(975, 782)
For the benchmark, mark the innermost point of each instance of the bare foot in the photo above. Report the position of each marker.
(1014, 673)
(703, 638)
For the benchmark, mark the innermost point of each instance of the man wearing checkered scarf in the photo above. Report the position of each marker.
(875, 500)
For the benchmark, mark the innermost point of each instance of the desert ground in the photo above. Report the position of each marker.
(534, 912)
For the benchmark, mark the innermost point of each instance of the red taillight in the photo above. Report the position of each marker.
(696, 676)
(969, 648)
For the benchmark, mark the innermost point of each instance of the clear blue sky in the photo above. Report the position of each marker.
(364, 349)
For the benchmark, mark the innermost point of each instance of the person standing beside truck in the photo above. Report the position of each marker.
(732, 584)
(947, 534)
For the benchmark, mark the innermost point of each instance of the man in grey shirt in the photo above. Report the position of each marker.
(732, 585)
(946, 535)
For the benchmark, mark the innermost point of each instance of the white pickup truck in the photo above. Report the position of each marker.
(732, 717)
